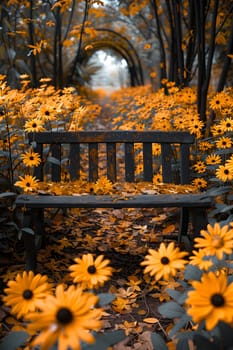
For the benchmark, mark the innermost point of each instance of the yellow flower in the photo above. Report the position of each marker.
(24, 292)
(156, 149)
(66, 318)
(216, 240)
(216, 102)
(224, 142)
(157, 179)
(31, 159)
(205, 146)
(217, 130)
(211, 300)
(196, 127)
(227, 124)
(90, 273)
(199, 183)
(165, 262)
(47, 112)
(213, 159)
(200, 167)
(229, 164)
(224, 173)
(200, 259)
(34, 125)
(28, 183)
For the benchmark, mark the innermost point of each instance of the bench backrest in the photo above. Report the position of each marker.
(69, 148)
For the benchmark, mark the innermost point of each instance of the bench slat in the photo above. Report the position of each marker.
(114, 201)
(113, 136)
(166, 155)
(184, 170)
(56, 168)
(129, 162)
(74, 161)
(93, 161)
(111, 161)
(147, 162)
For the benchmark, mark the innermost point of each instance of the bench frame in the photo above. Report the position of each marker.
(34, 205)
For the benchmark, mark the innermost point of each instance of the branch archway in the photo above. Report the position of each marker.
(109, 39)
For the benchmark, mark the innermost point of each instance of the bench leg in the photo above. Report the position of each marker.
(33, 219)
(184, 221)
(199, 220)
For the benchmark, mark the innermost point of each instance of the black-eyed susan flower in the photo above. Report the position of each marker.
(34, 125)
(156, 149)
(211, 300)
(216, 240)
(217, 130)
(28, 183)
(205, 146)
(66, 318)
(23, 293)
(200, 183)
(47, 112)
(89, 272)
(196, 127)
(224, 142)
(31, 158)
(224, 173)
(213, 159)
(165, 262)
(200, 259)
(227, 124)
(229, 164)
(217, 102)
(157, 179)
(200, 167)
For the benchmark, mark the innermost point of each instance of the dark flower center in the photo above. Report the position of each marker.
(64, 316)
(164, 260)
(27, 294)
(34, 125)
(217, 300)
(31, 158)
(47, 113)
(91, 269)
(226, 171)
(28, 184)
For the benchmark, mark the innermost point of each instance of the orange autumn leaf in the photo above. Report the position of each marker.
(150, 320)
(169, 229)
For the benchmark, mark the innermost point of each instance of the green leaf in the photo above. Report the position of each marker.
(192, 273)
(171, 310)
(158, 342)
(183, 344)
(53, 160)
(28, 230)
(226, 208)
(105, 298)
(13, 340)
(217, 191)
(7, 194)
(174, 294)
(183, 321)
(104, 341)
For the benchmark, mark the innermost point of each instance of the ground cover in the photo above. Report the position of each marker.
(125, 237)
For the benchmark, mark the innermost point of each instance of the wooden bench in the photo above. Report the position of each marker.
(71, 145)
